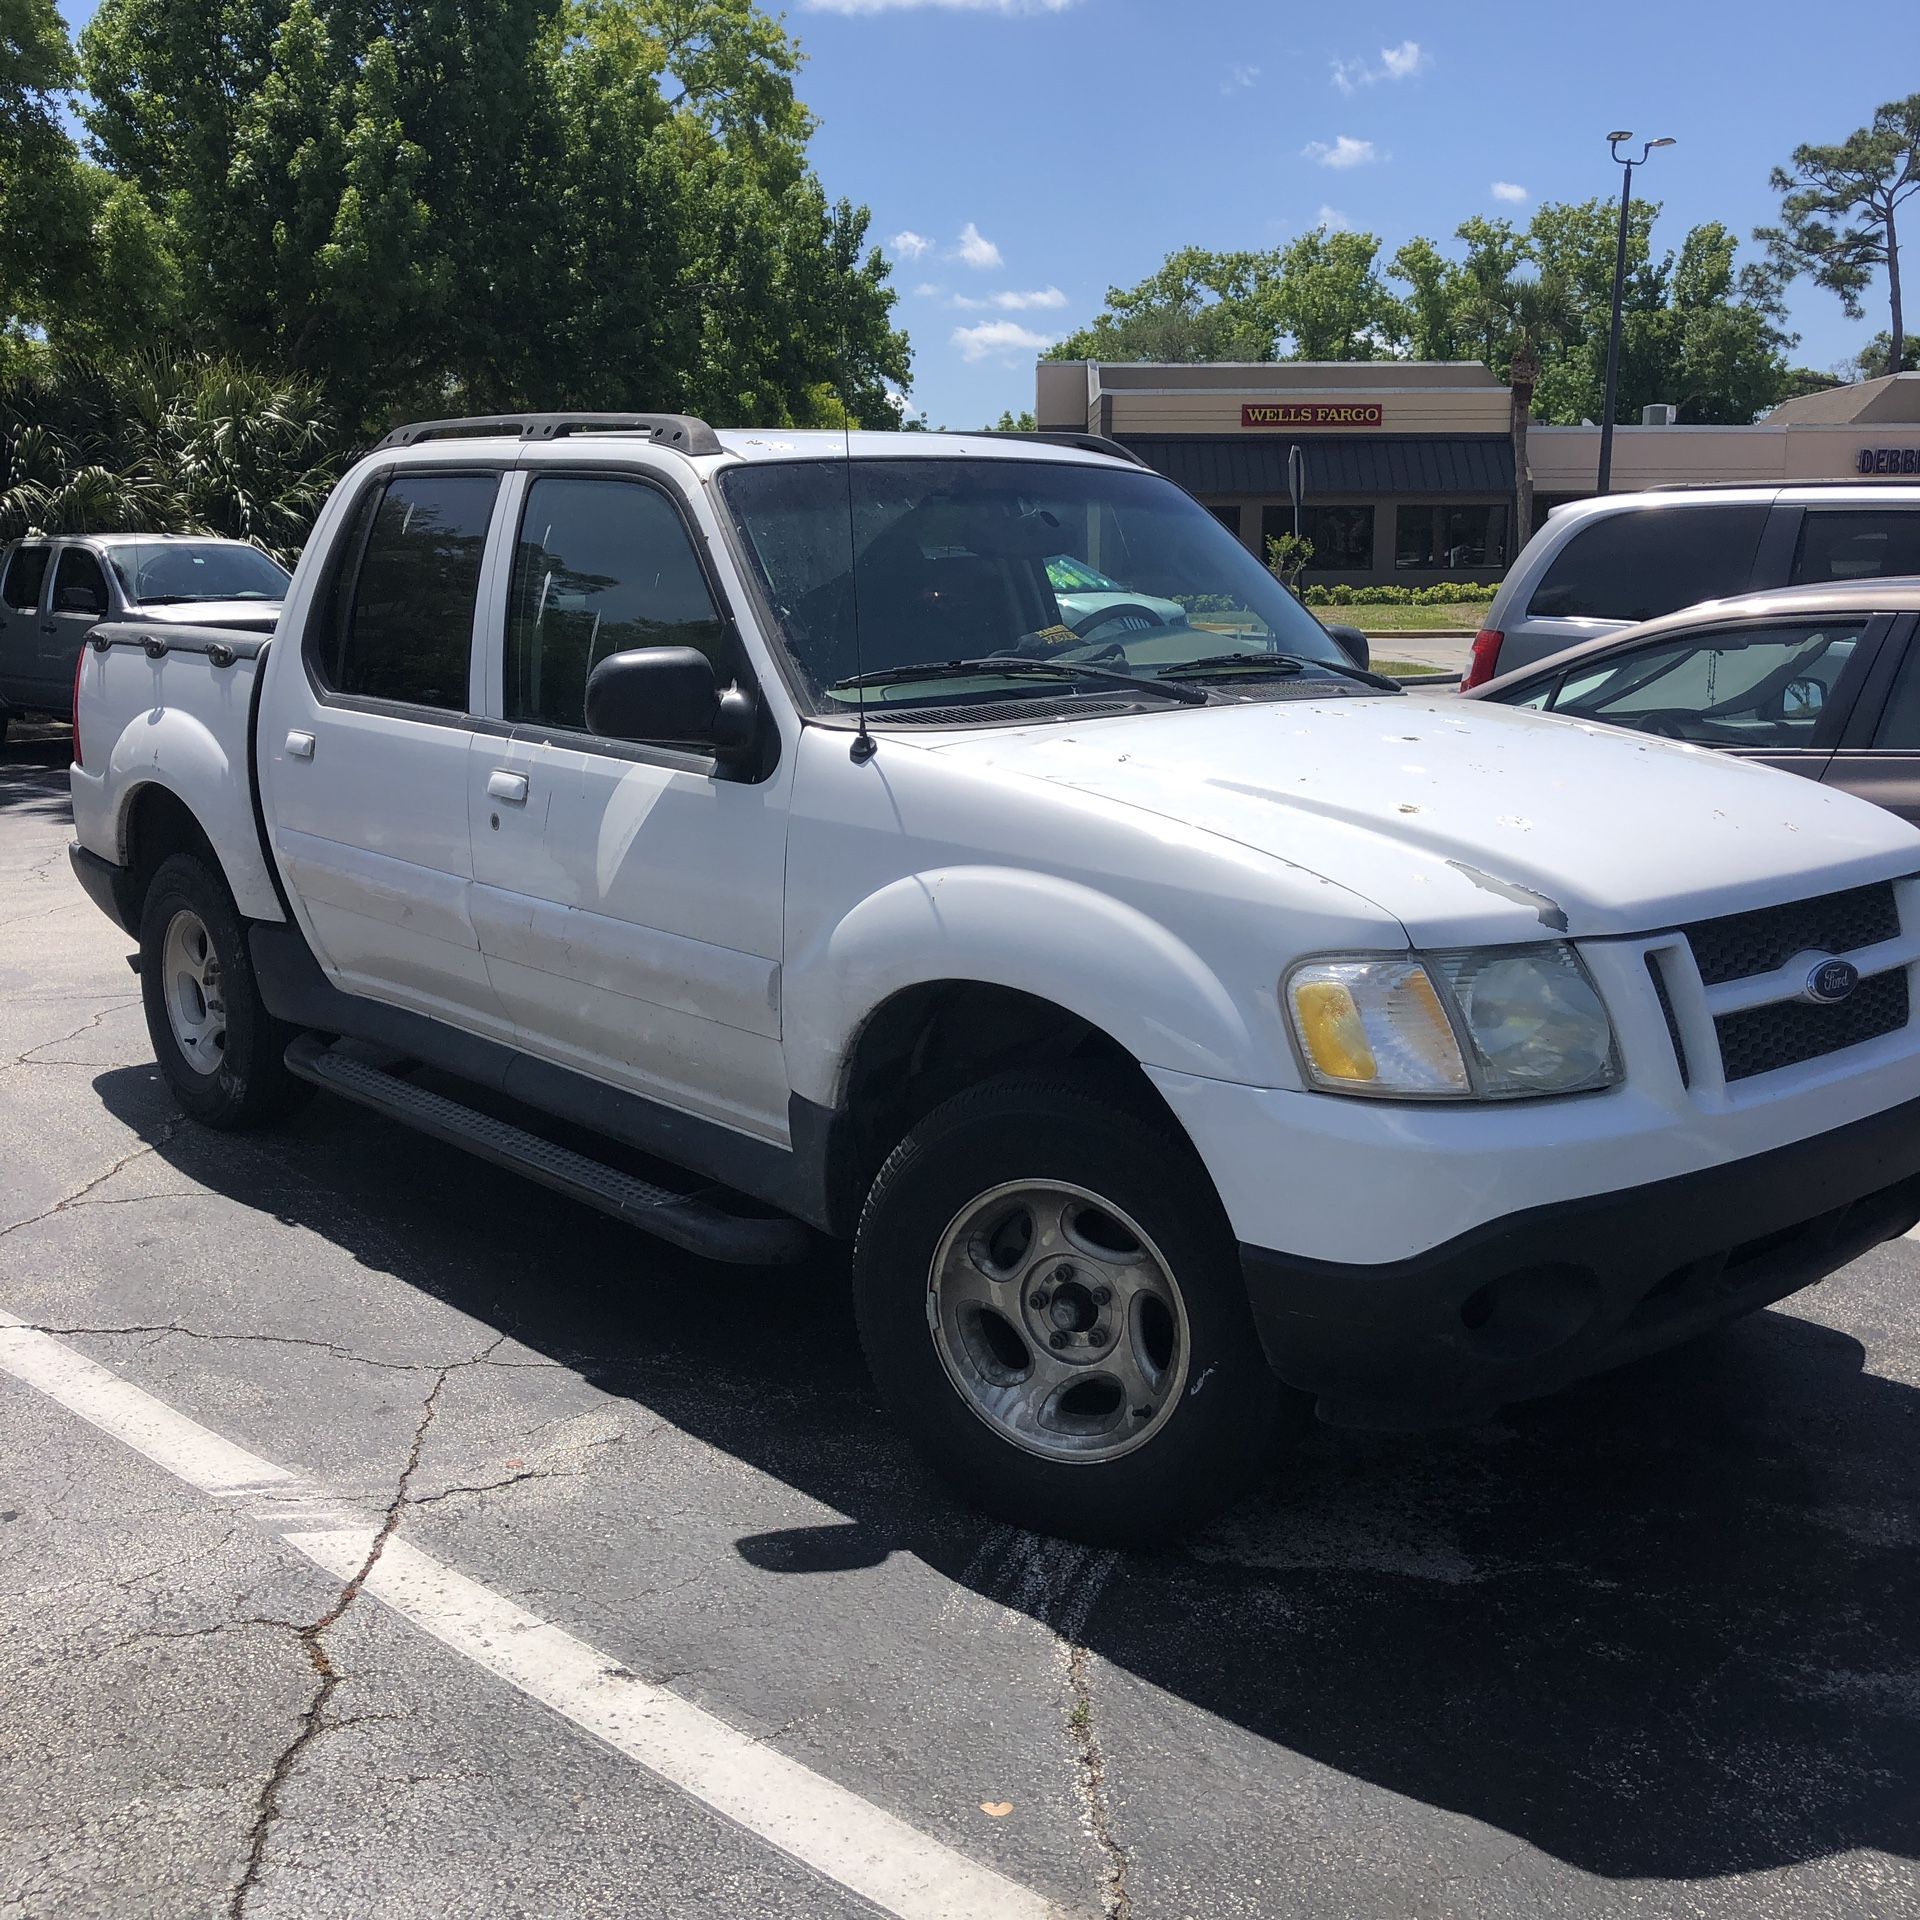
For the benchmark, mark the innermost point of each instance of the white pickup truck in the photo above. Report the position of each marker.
(1166, 1008)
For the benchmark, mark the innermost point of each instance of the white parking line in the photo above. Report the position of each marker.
(801, 1813)
(185, 1448)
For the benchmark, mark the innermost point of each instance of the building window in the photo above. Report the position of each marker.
(1228, 516)
(1451, 539)
(1342, 536)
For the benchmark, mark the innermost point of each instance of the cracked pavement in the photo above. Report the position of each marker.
(1650, 1648)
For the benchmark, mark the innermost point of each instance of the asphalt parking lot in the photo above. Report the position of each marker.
(462, 1554)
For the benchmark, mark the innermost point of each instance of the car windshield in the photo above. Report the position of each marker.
(180, 570)
(967, 559)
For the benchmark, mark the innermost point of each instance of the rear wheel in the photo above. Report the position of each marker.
(219, 1048)
(1051, 1302)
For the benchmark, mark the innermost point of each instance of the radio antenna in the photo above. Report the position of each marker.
(865, 746)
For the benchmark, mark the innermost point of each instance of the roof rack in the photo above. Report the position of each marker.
(1086, 442)
(1751, 486)
(677, 432)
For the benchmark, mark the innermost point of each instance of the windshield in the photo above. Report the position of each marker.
(179, 570)
(965, 559)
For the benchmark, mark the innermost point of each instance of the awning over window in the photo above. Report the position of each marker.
(1257, 464)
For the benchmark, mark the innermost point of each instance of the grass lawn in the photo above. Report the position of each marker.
(1405, 668)
(1464, 613)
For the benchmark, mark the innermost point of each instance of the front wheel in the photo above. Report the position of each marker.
(1051, 1303)
(219, 1048)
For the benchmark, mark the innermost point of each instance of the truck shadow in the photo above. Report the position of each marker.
(1666, 1626)
(33, 772)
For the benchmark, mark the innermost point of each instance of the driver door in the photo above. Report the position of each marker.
(78, 603)
(1775, 691)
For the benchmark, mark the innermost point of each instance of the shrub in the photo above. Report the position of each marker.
(1450, 593)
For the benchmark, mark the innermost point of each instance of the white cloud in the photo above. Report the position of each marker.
(1506, 190)
(928, 290)
(976, 250)
(999, 338)
(948, 6)
(1332, 220)
(904, 407)
(1344, 152)
(1396, 63)
(1239, 79)
(909, 245)
(1012, 302)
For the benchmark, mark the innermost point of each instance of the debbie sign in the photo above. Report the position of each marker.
(1887, 460)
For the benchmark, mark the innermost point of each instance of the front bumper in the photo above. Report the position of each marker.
(1526, 1304)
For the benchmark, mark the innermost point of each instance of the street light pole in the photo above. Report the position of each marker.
(1619, 291)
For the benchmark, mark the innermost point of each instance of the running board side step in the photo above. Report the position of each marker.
(684, 1220)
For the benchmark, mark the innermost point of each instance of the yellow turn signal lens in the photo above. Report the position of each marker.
(1375, 1025)
(1332, 1032)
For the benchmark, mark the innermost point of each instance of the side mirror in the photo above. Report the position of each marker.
(1354, 644)
(1802, 699)
(668, 696)
(77, 600)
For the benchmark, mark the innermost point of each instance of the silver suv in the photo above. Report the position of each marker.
(1600, 566)
(55, 589)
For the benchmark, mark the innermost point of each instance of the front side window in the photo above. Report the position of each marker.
(1857, 546)
(399, 625)
(1764, 687)
(919, 562)
(1342, 536)
(1450, 539)
(602, 566)
(26, 575)
(79, 583)
(1640, 564)
(1899, 726)
(173, 572)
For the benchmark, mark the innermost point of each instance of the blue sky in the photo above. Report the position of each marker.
(1022, 155)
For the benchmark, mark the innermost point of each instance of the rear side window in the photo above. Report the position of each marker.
(601, 566)
(399, 622)
(1639, 565)
(26, 575)
(79, 583)
(1857, 546)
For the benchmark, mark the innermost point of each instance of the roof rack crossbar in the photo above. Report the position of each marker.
(1086, 442)
(678, 432)
(1754, 486)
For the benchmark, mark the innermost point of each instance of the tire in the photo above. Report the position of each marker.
(1150, 1402)
(219, 1048)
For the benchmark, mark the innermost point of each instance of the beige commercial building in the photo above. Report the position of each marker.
(1406, 467)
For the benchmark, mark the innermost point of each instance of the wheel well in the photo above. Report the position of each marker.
(159, 825)
(933, 1041)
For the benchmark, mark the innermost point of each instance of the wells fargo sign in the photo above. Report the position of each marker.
(1311, 413)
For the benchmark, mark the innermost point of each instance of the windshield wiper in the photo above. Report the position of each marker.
(1013, 668)
(1283, 663)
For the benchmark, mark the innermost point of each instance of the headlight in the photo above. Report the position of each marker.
(1491, 1024)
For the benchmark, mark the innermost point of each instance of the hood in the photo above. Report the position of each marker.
(249, 616)
(1472, 822)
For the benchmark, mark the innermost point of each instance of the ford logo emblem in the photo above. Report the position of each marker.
(1831, 981)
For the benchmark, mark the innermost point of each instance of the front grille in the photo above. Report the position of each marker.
(1786, 1032)
(1739, 945)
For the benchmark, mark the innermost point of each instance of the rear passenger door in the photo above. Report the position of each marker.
(363, 755)
(22, 589)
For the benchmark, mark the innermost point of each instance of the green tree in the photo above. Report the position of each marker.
(36, 65)
(1838, 212)
(1326, 298)
(1196, 306)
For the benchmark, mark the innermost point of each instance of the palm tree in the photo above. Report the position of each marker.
(1517, 317)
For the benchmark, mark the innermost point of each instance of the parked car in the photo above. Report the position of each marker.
(1820, 681)
(1161, 1018)
(1600, 566)
(54, 591)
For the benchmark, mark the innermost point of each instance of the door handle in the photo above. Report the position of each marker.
(510, 787)
(299, 745)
